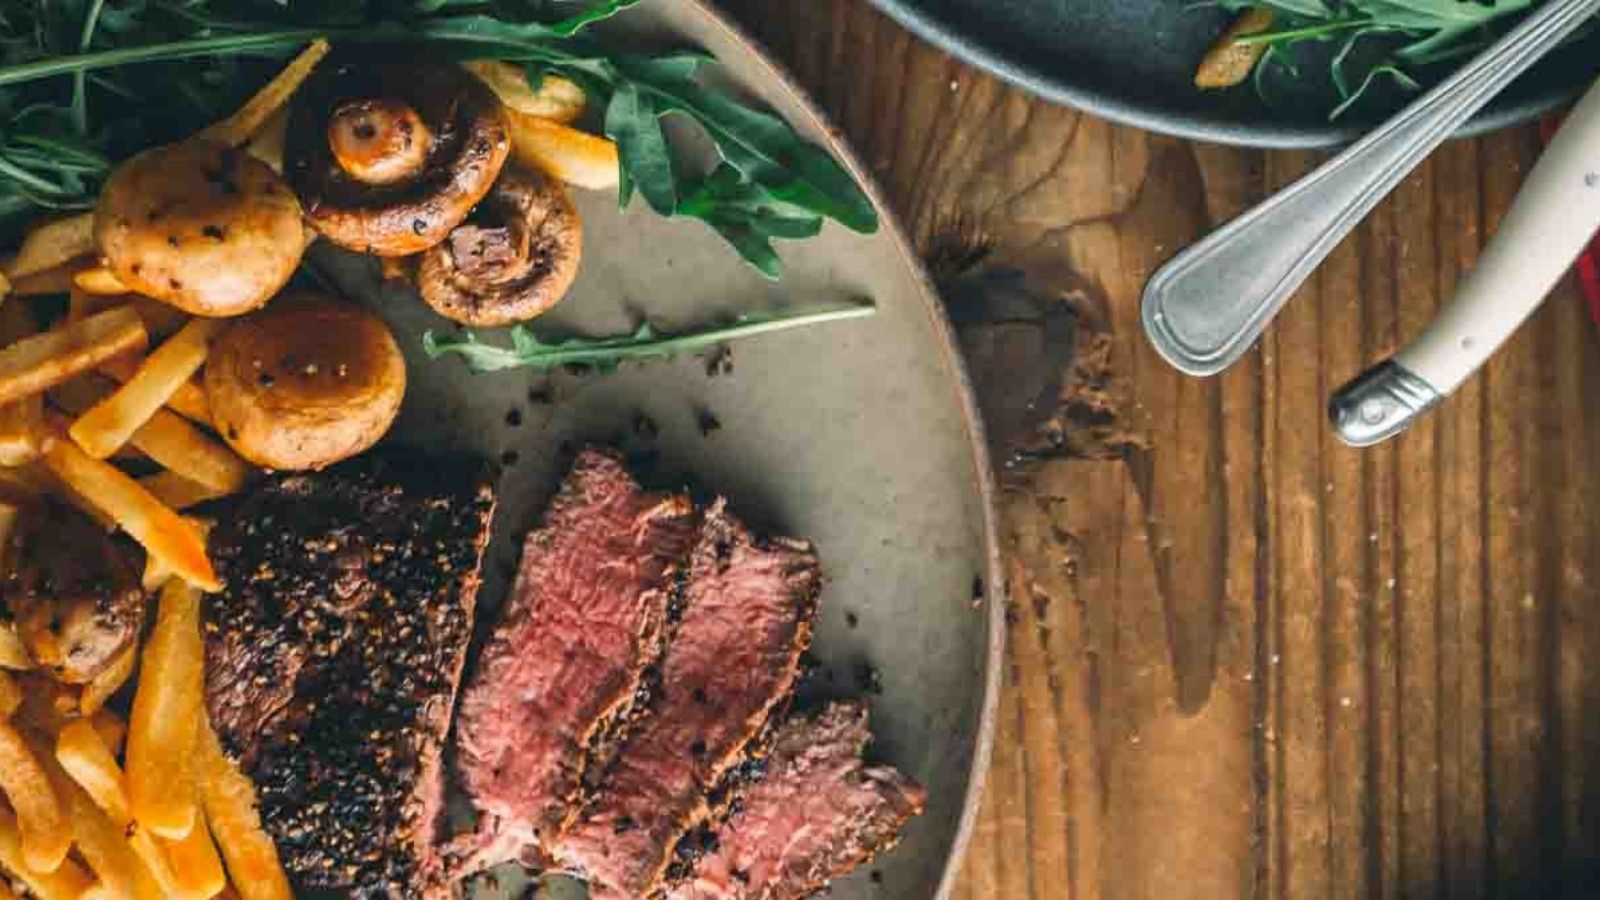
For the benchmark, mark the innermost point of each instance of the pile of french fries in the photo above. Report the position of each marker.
(174, 819)
(109, 390)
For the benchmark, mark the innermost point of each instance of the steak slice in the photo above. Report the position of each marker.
(735, 655)
(584, 622)
(818, 812)
(333, 657)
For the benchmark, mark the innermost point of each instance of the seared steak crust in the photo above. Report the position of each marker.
(584, 622)
(735, 655)
(817, 812)
(333, 658)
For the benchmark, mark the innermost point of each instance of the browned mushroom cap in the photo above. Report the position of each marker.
(513, 258)
(388, 158)
(201, 226)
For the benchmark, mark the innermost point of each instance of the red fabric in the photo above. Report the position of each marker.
(1588, 265)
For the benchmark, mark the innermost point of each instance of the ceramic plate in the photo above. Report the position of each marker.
(1133, 61)
(860, 436)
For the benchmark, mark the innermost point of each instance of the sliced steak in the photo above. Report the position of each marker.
(333, 657)
(584, 621)
(817, 813)
(735, 654)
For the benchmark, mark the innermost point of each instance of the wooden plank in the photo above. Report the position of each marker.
(1247, 661)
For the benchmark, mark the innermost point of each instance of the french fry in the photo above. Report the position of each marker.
(82, 752)
(158, 528)
(196, 866)
(1228, 62)
(7, 893)
(53, 244)
(36, 363)
(84, 755)
(555, 99)
(100, 281)
(68, 881)
(178, 492)
(170, 441)
(565, 153)
(104, 847)
(108, 682)
(5, 284)
(10, 695)
(236, 128)
(14, 654)
(230, 805)
(22, 432)
(110, 727)
(111, 422)
(51, 281)
(189, 400)
(46, 829)
(268, 141)
(168, 708)
(156, 572)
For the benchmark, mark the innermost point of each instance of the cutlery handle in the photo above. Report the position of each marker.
(1205, 307)
(1549, 224)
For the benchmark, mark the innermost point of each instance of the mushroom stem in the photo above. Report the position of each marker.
(378, 141)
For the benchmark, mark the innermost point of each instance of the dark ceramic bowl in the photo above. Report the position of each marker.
(1132, 61)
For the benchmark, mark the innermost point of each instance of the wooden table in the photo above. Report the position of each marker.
(1246, 661)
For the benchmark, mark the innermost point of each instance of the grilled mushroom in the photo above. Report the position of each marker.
(201, 226)
(388, 158)
(72, 592)
(512, 259)
(305, 383)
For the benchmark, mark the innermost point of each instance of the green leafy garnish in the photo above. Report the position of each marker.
(1365, 42)
(528, 352)
(85, 83)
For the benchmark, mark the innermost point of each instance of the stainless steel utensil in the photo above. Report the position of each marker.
(1551, 221)
(1205, 307)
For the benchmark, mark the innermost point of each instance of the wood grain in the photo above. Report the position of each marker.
(1247, 661)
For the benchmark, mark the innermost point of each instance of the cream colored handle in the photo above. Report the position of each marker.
(1553, 218)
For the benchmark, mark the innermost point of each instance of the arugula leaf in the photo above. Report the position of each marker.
(167, 66)
(528, 352)
(1406, 36)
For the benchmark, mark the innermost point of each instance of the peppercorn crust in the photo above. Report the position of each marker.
(334, 654)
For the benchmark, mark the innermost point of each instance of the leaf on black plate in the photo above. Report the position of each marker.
(634, 123)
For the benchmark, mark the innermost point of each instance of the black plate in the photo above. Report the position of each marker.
(1132, 61)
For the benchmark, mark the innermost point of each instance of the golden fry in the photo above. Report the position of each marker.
(110, 727)
(13, 653)
(178, 491)
(230, 806)
(196, 867)
(189, 400)
(111, 422)
(103, 845)
(22, 431)
(158, 528)
(82, 752)
(99, 281)
(168, 709)
(556, 98)
(236, 128)
(53, 244)
(68, 881)
(1228, 63)
(36, 363)
(51, 281)
(10, 695)
(565, 153)
(46, 829)
(267, 143)
(108, 682)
